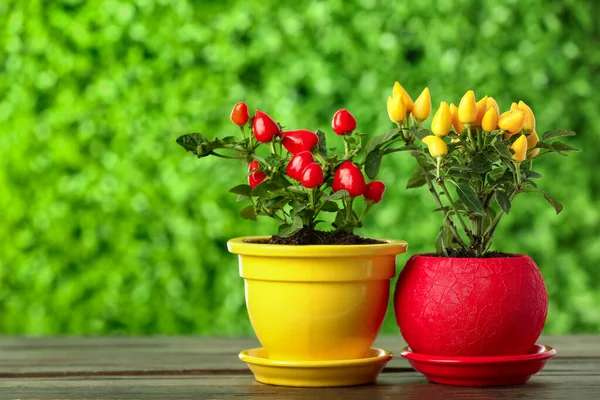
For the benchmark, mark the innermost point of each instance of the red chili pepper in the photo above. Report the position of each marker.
(300, 140)
(343, 122)
(256, 177)
(350, 178)
(312, 176)
(239, 114)
(298, 163)
(264, 127)
(374, 191)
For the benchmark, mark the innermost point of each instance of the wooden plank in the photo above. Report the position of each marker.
(390, 386)
(195, 355)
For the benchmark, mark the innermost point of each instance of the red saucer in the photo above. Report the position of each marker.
(480, 371)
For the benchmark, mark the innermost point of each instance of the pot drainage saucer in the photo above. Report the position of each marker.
(480, 371)
(329, 373)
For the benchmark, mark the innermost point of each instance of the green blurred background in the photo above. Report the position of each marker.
(108, 227)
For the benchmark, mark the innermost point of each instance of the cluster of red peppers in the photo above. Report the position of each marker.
(303, 167)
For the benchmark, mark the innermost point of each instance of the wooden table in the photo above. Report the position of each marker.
(208, 368)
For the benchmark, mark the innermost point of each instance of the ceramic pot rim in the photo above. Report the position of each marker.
(512, 256)
(240, 246)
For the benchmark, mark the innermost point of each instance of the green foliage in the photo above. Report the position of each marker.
(107, 227)
(281, 196)
(482, 171)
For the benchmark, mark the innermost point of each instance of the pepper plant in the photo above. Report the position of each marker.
(293, 176)
(475, 176)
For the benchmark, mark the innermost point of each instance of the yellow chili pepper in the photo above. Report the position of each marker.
(467, 109)
(529, 124)
(396, 109)
(511, 121)
(532, 141)
(422, 106)
(459, 127)
(481, 109)
(520, 149)
(400, 91)
(491, 102)
(437, 147)
(490, 120)
(514, 106)
(442, 120)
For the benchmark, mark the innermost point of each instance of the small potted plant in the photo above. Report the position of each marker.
(466, 300)
(312, 295)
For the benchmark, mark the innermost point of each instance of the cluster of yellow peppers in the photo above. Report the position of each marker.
(469, 114)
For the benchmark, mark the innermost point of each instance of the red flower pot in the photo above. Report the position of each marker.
(471, 306)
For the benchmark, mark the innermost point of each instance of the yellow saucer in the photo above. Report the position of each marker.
(332, 373)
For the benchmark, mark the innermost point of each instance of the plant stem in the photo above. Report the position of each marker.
(349, 209)
(346, 147)
(489, 233)
(518, 170)
(368, 205)
(320, 158)
(243, 133)
(440, 205)
(257, 157)
(470, 134)
(231, 157)
(272, 147)
(437, 170)
(311, 198)
(453, 205)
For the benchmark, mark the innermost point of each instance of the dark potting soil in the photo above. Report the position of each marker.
(461, 253)
(307, 236)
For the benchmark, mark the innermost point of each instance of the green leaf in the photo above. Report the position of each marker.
(379, 140)
(557, 133)
(339, 195)
(560, 147)
(373, 163)
(244, 190)
(557, 206)
(248, 212)
(330, 206)
(191, 141)
(287, 230)
(297, 189)
(419, 133)
(322, 146)
(297, 207)
(503, 150)
(273, 161)
(529, 182)
(416, 179)
(503, 201)
(480, 164)
(444, 240)
(271, 194)
(241, 197)
(469, 198)
(280, 180)
(496, 173)
(263, 188)
(531, 174)
(489, 218)
(349, 139)
(340, 217)
(229, 140)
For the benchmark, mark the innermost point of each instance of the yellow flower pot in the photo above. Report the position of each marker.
(313, 303)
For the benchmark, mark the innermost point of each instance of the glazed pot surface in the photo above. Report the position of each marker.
(470, 306)
(312, 303)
